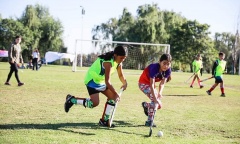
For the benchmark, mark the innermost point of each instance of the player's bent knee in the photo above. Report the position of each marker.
(111, 102)
(95, 104)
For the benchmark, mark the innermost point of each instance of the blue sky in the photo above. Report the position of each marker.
(221, 15)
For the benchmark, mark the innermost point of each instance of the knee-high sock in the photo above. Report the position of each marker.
(199, 83)
(222, 89)
(192, 82)
(212, 88)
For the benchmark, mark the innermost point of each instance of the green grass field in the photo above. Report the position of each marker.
(34, 112)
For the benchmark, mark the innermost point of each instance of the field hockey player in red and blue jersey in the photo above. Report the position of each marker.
(155, 72)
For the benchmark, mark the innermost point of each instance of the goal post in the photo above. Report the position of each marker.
(139, 54)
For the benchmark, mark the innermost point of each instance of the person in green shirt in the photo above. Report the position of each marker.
(218, 69)
(98, 80)
(196, 66)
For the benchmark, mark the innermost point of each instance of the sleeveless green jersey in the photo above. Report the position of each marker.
(197, 64)
(220, 68)
(97, 72)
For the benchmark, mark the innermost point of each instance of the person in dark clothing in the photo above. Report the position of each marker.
(15, 58)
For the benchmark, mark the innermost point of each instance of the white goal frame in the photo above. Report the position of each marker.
(74, 67)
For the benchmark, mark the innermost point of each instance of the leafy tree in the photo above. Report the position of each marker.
(30, 20)
(38, 29)
(9, 28)
(225, 42)
(190, 39)
(51, 35)
(46, 32)
(147, 27)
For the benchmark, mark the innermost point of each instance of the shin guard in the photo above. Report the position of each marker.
(87, 103)
(109, 106)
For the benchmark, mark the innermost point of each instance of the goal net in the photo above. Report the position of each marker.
(140, 55)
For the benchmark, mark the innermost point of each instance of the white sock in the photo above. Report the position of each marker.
(80, 101)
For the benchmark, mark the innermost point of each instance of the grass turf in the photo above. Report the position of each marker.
(34, 112)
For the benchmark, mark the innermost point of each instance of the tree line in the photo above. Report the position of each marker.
(187, 38)
(38, 30)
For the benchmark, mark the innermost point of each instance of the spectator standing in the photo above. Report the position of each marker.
(36, 57)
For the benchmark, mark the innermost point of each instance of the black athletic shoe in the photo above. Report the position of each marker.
(148, 123)
(145, 109)
(223, 95)
(20, 84)
(105, 123)
(68, 104)
(208, 92)
(7, 83)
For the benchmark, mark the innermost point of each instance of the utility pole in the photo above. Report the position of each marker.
(82, 13)
(234, 55)
(238, 45)
(237, 52)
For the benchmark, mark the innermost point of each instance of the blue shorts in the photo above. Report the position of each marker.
(218, 79)
(93, 88)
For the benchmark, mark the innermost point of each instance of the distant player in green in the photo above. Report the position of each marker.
(196, 66)
(218, 69)
(98, 79)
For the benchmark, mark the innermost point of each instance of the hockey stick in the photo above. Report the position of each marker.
(115, 107)
(189, 78)
(206, 79)
(150, 131)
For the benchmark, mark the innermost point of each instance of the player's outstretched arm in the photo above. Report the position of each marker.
(161, 87)
(122, 77)
(107, 66)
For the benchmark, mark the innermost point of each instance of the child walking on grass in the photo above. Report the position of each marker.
(197, 65)
(218, 69)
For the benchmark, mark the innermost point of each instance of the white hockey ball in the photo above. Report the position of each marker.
(160, 134)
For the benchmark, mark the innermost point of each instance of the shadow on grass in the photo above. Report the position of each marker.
(58, 126)
(122, 124)
(72, 127)
(183, 95)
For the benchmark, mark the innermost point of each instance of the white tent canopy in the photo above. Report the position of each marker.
(3, 53)
(52, 56)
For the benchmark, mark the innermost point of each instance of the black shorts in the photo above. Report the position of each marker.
(92, 90)
(218, 79)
